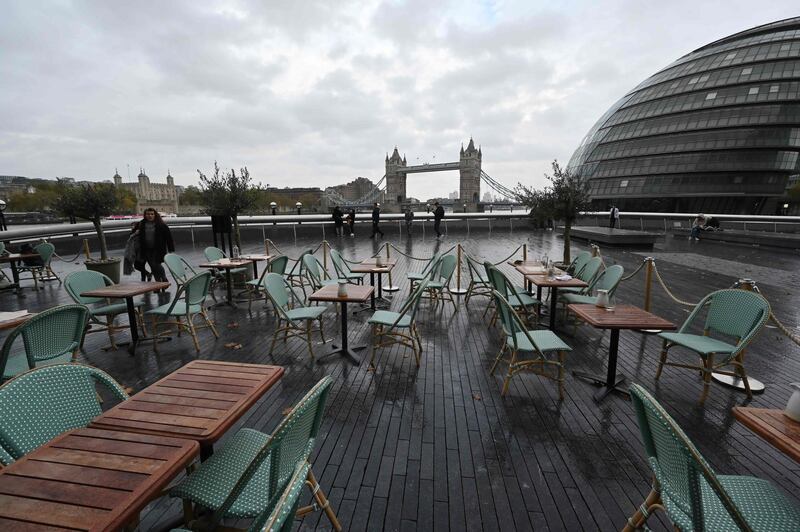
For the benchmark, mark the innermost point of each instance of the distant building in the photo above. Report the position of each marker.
(286, 198)
(359, 188)
(14, 184)
(453, 195)
(161, 197)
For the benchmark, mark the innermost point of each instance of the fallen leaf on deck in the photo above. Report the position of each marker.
(476, 396)
(233, 325)
(286, 411)
(233, 345)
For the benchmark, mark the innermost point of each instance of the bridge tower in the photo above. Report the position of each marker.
(470, 170)
(395, 181)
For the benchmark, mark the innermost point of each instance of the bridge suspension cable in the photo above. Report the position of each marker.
(497, 187)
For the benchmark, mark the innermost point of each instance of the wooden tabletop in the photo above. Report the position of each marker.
(256, 256)
(13, 257)
(10, 324)
(227, 264)
(372, 267)
(619, 317)
(774, 426)
(384, 260)
(126, 290)
(89, 479)
(199, 401)
(544, 280)
(356, 293)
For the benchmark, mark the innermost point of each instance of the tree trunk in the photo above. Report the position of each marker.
(567, 229)
(237, 237)
(101, 236)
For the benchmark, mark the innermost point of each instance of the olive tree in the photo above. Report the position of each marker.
(229, 194)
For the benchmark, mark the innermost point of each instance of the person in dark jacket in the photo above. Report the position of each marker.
(155, 241)
(376, 217)
(351, 221)
(133, 256)
(409, 216)
(338, 222)
(438, 214)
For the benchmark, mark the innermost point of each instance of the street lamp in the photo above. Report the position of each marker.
(273, 206)
(299, 207)
(3, 206)
(465, 206)
(491, 207)
(428, 208)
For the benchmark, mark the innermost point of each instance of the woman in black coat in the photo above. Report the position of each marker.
(155, 241)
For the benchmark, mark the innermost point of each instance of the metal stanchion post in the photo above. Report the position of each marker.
(389, 287)
(730, 381)
(325, 252)
(648, 282)
(524, 252)
(459, 290)
(266, 246)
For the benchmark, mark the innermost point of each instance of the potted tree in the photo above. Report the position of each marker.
(93, 202)
(564, 199)
(229, 194)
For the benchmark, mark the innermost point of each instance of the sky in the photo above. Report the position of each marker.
(315, 93)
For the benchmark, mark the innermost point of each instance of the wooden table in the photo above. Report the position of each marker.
(256, 257)
(616, 318)
(89, 479)
(128, 291)
(199, 401)
(13, 259)
(371, 267)
(227, 265)
(774, 426)
(10, 324)
(554, 284)
(355, 294)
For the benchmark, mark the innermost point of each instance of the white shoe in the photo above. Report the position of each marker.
(690, 239)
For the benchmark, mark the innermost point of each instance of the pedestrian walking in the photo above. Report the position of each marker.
(133, 256)
(351, 221)
(338, 221)
(613, 215)
(438, 214)
(376, 218)
(155, 240)
(409, 220)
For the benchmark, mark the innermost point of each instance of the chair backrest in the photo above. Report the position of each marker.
(339, 264)
(738, 313)
(38, 405)
(178, 267)
(683, 475)
(590, 270)
(82, 281)
(498, 280)
(280, 516)
(195, 289)
(443, 271)
(212, 254)
(49, 334)
(510, 321)
(579, 262)
(411, 304)
(278, 264)
(312, 269)
(476, 274)
(432, 262)
(278, 292)
(291, 443)
(45, 251)
(608, 280)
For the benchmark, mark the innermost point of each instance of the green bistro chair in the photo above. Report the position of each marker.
(316, 274)
(43, 272)
(278, 517)
(3, 275)
(343, 270)
(256, 286)
(296, 275)
(415, 277)
(246, 477)
(53, 336)
(519, 299)
(731, 312)
(389, 328)
(438, 286)
(579, 262)
(187, 303)
(692, 495)
(518, 338)
(608, 280)
(179, 268)
(587, 274)
(82, 281)
(479, 284)
(213, 254)
(40, 404)
(294, 321)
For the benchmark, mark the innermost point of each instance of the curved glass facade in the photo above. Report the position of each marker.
(718, 130)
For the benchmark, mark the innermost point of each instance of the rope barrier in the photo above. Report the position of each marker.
(637, 270)
(271, 243)
(419, 258)
(781, 327)
(668, 291)
(73, 259)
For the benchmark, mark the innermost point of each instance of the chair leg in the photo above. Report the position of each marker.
(209, 322)
(321, 330)
(140, 321)
(308, 338)
(510, 373)
(375, 341)
(498, 357)
(709, 365)
(155, 334)
(662, 360)
(274, 338)
(110, 330)
(322, 500)
(638, 519)
(561, 357)
(739, 365)
(178, 326)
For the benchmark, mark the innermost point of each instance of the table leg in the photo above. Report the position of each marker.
(611, 382)
(15, 277)
(133, 325)
(371, 296)
(344, 350)
(229, 285)
(255, 269)
(553, 307)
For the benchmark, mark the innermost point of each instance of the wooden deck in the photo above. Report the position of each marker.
(437, 448)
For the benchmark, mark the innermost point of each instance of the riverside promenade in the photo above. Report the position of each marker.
(437, 447)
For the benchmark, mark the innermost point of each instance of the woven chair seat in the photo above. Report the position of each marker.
(522, 300)
(387, 317)
(210, 485)
(18, 363)
(544, 341)
(565, 290)
(702, 344)
(579, 298)
(178, 310)
(417, 276)
(306, 313)
(113, 309)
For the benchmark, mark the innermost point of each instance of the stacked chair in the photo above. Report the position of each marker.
(438, 286)
(42, 272)
(256, 286)
(294, 321)
(389, 328)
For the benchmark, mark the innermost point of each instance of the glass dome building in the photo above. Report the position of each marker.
(718, 130)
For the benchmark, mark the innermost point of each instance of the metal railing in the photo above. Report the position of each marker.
(664, 222)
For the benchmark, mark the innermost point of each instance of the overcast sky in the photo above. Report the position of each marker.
(309, 93)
